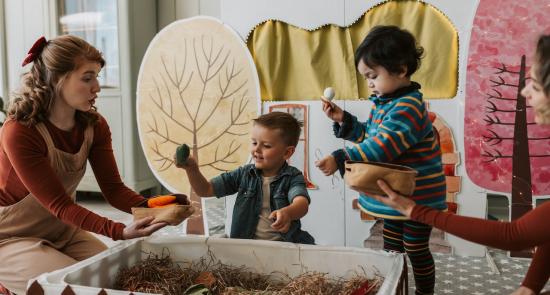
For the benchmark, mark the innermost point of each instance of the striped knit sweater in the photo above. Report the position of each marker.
(397, 131)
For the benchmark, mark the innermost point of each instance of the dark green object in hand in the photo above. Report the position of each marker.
(182, 153)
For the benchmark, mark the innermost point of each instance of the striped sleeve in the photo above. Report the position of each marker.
(403, 126)
(351, 129)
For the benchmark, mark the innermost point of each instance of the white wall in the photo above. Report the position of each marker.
(25, 22)
(171, 10)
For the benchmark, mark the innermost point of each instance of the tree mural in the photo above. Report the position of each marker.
(503, 146)
(521, 168)
(201, 93)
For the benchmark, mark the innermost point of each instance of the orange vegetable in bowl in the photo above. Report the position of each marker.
(160, 201)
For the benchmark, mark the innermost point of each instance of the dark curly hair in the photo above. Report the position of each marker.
(33, 101)
(391, 48)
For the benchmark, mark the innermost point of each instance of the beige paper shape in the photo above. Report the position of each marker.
(197, 85)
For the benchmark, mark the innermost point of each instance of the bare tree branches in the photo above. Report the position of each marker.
(498, 95)
(493, 138)
(501, 82)
(224, 158)
(165, 162)
(504, 69)
(493, 156)
(233, 122)
(176, 85)
(492, 108)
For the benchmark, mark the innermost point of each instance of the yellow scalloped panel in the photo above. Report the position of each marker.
(297, 64)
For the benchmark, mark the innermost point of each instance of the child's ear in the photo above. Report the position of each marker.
(289, 152)
(403, 72)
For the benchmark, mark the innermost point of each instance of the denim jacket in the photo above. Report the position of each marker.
(246, 181)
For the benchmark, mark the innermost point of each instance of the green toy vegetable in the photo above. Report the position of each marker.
(182, 154)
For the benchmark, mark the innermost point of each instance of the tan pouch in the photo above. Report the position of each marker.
(362, 177)
(173, 215)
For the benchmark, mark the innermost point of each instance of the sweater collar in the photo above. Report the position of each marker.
(400, 92)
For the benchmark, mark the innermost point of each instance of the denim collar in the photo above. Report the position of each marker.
(396, 94)
(285, 170)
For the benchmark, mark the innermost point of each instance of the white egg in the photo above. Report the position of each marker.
(329, 93)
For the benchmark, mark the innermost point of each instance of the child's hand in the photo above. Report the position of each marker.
(282, 220)
(189, 164)
(333, 111)
(327, 165)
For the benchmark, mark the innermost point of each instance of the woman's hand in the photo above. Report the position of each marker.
(141, 228)
(523, 291)
(334, 112)
(396, 201)
(327, 165)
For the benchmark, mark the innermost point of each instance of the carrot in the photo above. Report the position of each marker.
(160, 201)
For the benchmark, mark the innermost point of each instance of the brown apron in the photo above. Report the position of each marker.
(32, 240)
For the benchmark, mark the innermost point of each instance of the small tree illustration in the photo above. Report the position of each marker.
(521, 166)
(210, 89)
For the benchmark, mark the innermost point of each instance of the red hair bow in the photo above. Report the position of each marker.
(35, 50)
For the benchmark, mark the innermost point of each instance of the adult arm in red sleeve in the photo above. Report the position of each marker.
(27, 152)
(539, 270)
(527, 231)
(103, 163)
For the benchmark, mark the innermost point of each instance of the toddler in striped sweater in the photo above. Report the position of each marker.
(397, 131)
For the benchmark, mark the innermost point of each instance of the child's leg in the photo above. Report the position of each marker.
(416, 238)
(393, 235)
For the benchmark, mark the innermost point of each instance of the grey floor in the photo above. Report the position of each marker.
(497, 274)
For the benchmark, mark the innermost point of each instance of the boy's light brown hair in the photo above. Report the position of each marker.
(289, 128)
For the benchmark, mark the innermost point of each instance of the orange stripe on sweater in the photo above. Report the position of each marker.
(381, 144)
(431, 185)
(393, 143)
(413, 107)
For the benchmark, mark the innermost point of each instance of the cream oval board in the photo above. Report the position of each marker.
(197, 85)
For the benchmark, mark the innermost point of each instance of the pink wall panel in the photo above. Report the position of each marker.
(503, 31)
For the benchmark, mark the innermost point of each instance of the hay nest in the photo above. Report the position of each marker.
(159, 274)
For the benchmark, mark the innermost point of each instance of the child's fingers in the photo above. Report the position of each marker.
(327, 105)
(273, 216)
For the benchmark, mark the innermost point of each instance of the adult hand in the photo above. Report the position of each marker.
(523, 291)
(327, 165)
(282, 220)
(334, 112)
(396, 201)
(141, 228)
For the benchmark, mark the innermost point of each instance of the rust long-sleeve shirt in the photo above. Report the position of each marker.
(25, 168)
(530, 230)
